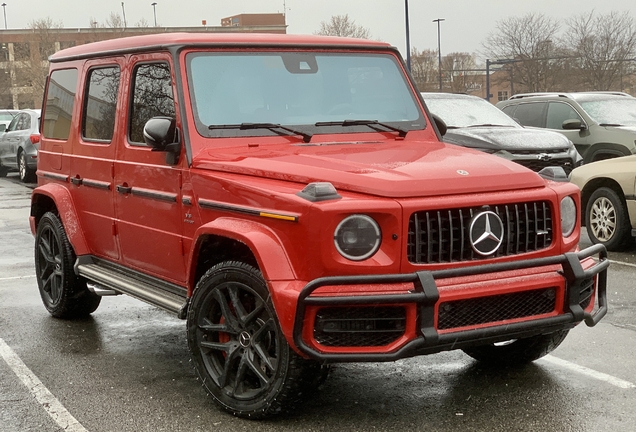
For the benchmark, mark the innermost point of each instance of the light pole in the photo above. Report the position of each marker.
(408, 39)
(124, 13)
(4, 9)
(439, 51)
(154, 10)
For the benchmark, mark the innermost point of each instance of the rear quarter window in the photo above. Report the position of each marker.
(58, 107)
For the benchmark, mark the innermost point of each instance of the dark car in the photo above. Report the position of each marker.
(473, 122)
(19, 145)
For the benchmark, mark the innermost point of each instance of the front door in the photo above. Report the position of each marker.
(148, 189)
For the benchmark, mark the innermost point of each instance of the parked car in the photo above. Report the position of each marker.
(473, 122)
(19, 145)
(608, 200)
(602, 125)
(5, 118)
(290, 198)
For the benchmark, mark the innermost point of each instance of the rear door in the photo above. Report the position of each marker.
(148, 190)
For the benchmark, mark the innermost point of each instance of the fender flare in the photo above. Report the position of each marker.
(264, 243)
(63, 201)
(608, 148)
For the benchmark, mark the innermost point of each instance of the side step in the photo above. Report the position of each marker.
(142, 287)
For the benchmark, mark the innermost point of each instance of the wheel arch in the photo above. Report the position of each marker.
(57, 199)
(227, 239)
(593, 185)
(602, 151)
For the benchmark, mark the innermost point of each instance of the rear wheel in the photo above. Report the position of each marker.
(63, 293)
(27, 175)
(237, 346)
(607, 220)
(517, 352)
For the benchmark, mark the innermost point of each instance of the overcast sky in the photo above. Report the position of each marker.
(466, 26)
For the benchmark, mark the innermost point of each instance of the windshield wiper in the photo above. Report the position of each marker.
(610, 124)
(370, 123)
(271, 126)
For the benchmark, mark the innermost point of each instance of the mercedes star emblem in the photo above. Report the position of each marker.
(486, 233)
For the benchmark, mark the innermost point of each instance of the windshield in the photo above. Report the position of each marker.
(467, 112)
(620, 111)
(298, 90)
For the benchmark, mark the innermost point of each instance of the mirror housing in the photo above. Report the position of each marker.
(573, 124)
(161, 134)
(441, 125)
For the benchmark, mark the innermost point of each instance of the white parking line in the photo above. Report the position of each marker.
(617, 382)
(49, 402)
(16, 277)
(622, 263)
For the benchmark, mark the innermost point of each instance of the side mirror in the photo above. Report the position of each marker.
(441, 125)
(3, 127)
(573, 124)
(161, 134)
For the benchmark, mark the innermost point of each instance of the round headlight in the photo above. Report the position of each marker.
(357, 237)
(568, 216)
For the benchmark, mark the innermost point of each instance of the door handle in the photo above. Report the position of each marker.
(123, 189)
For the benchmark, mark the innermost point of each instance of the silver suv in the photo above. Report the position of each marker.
(602, 125)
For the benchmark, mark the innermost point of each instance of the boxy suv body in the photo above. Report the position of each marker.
(602, 125)
(290, 198)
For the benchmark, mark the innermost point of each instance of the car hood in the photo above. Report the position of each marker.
(507, 138)
(397, 169)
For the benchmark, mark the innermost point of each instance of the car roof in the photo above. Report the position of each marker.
(163, 41)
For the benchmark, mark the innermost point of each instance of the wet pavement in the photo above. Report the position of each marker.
(127, 369)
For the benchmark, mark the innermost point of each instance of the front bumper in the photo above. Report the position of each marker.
(426, 337)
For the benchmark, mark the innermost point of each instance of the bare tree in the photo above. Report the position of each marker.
(114, 21)
(604, 45)
(531, 42)
(460, 73)
(342, 25)
(424, 69)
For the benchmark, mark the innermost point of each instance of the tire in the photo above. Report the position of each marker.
(606, 219)
(63, 293)
(237, 346)
(27, 175)
(517, 352)
(3, 171)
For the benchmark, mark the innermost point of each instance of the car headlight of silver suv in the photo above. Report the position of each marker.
(357, 237)
(568, 216)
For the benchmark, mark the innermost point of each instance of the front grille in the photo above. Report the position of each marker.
(442, 236)
(538, 165)
(585, 292)
(359, 326)
(482, 310)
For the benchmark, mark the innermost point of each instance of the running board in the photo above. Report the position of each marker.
(123, 280)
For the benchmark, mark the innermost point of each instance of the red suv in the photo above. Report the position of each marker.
(290, 198)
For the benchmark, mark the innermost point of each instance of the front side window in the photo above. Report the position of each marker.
(58, 107)
(297, 89)
(100, 104)
(530, 114)
(558, 112)
(152, 96)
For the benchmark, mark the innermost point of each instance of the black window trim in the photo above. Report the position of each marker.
(85, 99)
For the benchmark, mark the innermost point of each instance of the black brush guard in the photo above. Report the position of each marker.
(425, 294)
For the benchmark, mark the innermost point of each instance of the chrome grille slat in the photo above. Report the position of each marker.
(441, 236)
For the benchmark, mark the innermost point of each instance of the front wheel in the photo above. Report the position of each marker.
(63, 293)
(519, 351)
(237, 346)
(607, 221)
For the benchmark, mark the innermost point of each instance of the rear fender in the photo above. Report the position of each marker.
(56, 198)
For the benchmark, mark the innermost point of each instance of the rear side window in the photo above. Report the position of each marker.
(152, 96)
(558, 112)
(530, 114)
(58, 107)
(100, 104)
